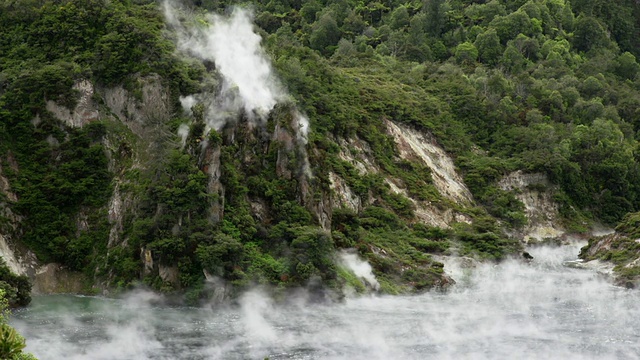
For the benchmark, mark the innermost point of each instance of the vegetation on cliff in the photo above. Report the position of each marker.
(547, 86)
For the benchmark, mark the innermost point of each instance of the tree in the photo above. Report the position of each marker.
(353, 25)
(508, 27)
(222, 257)
(399, 18)
(309, 10)
(325, 34)
(466, 53)
(566, 17)
(626, 66)
(489, 48)
(485, 13)
(589, 34)
(513, 60)
(436, 17)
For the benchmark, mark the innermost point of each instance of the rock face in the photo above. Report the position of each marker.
(20, 261)
(618, 251)
(138, 142)
(85, 110)
(54, 278)
(212, 168)
(344, 196)
(535, 192)
(142, 113)
(413, 146)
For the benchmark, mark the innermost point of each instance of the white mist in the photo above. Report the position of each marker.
(513, 310)
(360, 268)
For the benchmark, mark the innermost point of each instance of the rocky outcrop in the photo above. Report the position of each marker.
(617, 252)
(536, 193)
(54, 278)
(84, 111)
(142, 111)
(415, 145)
(19, 261)
(344, 196)
(115, 216)
(358, 153)
(214, 186)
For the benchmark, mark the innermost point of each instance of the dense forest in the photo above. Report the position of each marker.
(542, 86)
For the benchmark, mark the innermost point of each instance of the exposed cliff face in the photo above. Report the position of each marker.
(413, 146)
(138, 147)
(344, 196)
(233, 197)
(84, 111)
(418, 146)
(19, 260)
(54, 278)
(143, 111)
(132, 146)
(536, 193)
(214, 186)
(137, 140)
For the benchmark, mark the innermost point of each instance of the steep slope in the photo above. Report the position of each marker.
(198, 153)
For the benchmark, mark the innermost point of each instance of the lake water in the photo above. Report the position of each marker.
(514, 310)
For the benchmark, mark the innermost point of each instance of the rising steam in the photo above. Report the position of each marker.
(183, 132)
(512, 310)
(249, 86)
(360, 268)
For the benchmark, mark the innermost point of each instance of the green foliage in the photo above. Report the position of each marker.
(325, 34)
(489, 48)
(312, 255)
(483, 238)
(222, 256)
(11, 342)
(630, 226)
(16, 288)
(466, 53)
(589, 34)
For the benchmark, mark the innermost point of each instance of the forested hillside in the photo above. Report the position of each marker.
(106, 169)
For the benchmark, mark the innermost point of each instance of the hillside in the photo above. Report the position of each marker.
(160, 143)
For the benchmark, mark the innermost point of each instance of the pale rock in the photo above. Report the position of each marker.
(540, 208)
(169, 274)
(344, 195)
(415, 145)
(55, 279)
(84, 111)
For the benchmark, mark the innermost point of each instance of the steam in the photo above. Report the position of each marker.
(235, 49)
(249, 85)
(255, 306)
(183, 132)
(510, 310)
(360, 268)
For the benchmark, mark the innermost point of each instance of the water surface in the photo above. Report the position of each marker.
(508, 311)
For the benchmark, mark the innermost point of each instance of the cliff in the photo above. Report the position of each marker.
(198, 153)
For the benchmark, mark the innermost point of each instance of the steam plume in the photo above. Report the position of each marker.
(360, 268)
(249, 85)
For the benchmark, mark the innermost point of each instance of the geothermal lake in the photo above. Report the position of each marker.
(514, 310)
